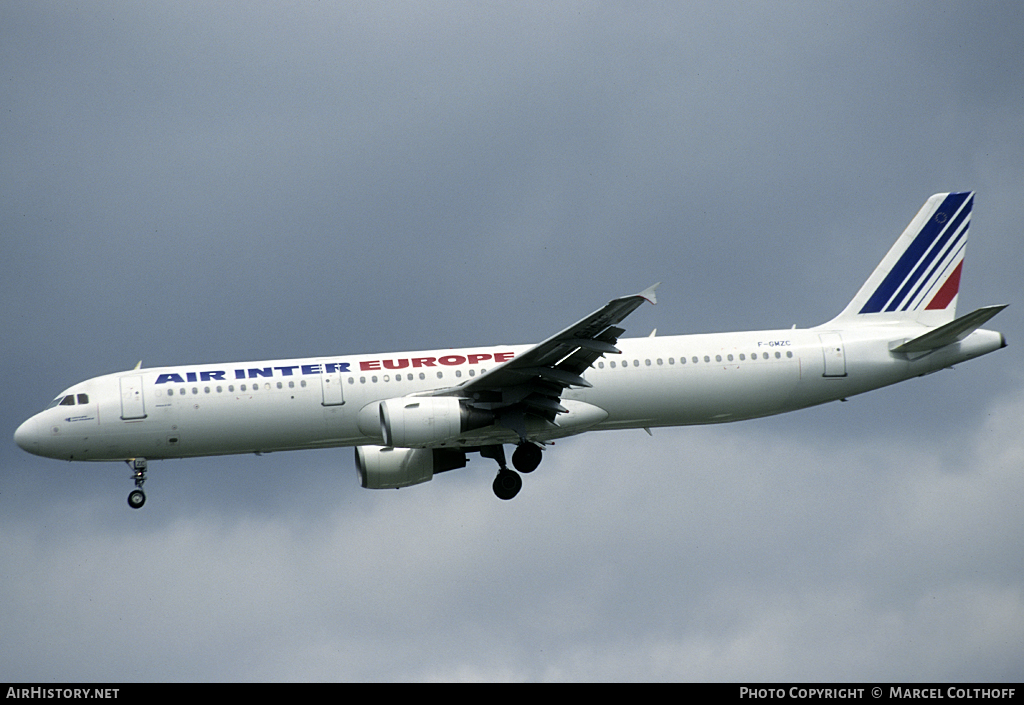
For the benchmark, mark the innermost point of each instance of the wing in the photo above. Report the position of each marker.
(533, 382)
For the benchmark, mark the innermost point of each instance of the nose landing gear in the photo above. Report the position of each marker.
(136, 498)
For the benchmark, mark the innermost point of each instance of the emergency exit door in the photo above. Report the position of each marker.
(330, 382)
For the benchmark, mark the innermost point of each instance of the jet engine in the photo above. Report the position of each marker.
(386, 468)
(411, 422)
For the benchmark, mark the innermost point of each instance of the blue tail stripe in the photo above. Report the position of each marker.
(948, 254)
(931, 230)
(918, 278)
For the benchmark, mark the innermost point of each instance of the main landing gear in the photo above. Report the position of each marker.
(526, 458)
(136, 498)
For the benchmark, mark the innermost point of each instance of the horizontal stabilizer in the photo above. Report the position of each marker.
(952, 332)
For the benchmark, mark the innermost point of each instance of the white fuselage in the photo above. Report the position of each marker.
(266, 406)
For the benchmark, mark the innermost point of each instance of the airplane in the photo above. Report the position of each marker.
(412, 415)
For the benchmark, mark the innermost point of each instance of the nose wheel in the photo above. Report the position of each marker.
(136, 498)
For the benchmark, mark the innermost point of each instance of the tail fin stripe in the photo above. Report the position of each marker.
(948, 291)
(948, 261)
(928, 243)
(904, 272)
(917, 279)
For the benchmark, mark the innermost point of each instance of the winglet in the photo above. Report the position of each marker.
(648, 293)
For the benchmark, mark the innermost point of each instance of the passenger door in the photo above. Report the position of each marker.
(835, 354)
(133, 406)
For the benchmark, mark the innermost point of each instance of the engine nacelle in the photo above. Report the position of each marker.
(411, 422)
(390, 468)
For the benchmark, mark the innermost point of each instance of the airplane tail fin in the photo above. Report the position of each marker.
(919, 279)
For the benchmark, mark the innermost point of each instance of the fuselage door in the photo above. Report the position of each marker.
(330, 380)
(835, 354)
(133, 406)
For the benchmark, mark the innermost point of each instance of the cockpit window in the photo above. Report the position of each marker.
(69, 400)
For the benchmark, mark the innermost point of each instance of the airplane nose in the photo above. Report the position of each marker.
(27, 436)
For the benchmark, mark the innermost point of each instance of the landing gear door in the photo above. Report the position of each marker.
(330, 381)
(835, 354)
(133, 406)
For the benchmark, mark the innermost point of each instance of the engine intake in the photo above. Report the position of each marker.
(390, 468)
(416, 422)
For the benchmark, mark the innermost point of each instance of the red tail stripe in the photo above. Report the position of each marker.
(948, 290)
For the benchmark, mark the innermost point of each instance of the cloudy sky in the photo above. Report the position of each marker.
(202, 182)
